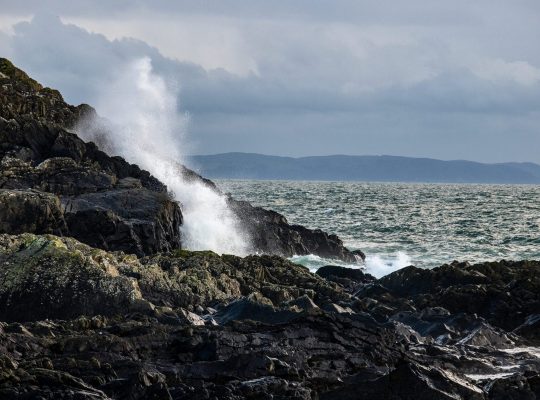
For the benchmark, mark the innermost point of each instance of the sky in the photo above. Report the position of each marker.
(422, 78)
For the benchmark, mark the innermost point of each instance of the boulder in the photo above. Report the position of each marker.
(30, 211)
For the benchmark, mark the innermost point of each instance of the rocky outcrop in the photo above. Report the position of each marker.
(30, 211)
(79, 321)
(81, 280)
(53, 182)
(37, 151)
(271, 233)
(84, 323)
(504, 293)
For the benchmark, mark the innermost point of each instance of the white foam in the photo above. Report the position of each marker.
(148, 131)
(376, 265)
(379, 266)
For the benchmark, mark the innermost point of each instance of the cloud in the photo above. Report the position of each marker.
(297, 79)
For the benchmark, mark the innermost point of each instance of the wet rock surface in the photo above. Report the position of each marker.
(271, 233)
(99, 301)
(71, 187)
(38, 151)
(85, 323)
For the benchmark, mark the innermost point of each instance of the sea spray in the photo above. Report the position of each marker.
(376, 265)
(145, 128)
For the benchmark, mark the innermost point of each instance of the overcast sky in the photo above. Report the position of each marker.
(450, 80)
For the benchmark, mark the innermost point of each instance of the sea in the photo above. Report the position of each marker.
(401, 224)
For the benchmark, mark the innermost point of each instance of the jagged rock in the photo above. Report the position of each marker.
(189, 279)
(30, 211)
(276, 326)
(190, 318)
(271, 233)
(303, 303)
(530, 329)
(246, 309)
(410, 382)
(51, 277)
(504, 293)
(38, 151)
(347, 277)
(515, 387)
(138, 221)
(48, 277)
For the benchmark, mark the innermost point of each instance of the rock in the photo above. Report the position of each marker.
(530, 329)
(271, 233)
(504, 293)
(245, 309)
(137, 221)
(347, 277)
(48, 277)
(190, 318)
(125, 328)
(303, 303)
(41, 162)
(410, 381)
(30, 211)
(359, 254)
(515, 387)
(335, 308)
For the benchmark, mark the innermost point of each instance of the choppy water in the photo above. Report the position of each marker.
(398, 224)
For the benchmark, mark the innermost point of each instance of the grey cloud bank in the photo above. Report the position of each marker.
(454, 81)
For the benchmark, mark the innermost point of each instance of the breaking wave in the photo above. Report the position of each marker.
(146, 129)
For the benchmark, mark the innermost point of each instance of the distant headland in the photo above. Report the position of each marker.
(361, 168)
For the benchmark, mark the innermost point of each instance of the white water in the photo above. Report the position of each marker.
(148, 131)
(374, 265)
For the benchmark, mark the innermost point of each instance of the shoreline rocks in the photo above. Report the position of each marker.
(99, 301)
(84, 322)
(38, 152)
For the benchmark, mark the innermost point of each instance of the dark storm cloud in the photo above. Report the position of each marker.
(296, 78)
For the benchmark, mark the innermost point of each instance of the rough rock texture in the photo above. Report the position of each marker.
(84, 323)
(30, 211)
(81, 322)
(38, 152)
(505, 293)
(53, 182)
(271, 233)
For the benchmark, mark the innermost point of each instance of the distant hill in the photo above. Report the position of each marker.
(361, 168)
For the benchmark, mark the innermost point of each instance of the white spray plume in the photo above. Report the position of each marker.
(148, 131)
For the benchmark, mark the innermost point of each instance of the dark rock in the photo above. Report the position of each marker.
(530, 329)
(30, 211)
(36, 152)
(348, 277)
(504, 293)
(138, 221)
(45, 277)
(271, 233)
(409, 382)
(246, 309)
(515, 387)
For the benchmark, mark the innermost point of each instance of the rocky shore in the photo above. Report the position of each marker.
(98, 299)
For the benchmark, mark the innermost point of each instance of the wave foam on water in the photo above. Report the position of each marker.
(376, 265)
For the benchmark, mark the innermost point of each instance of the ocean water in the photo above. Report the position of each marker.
(400, 224)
